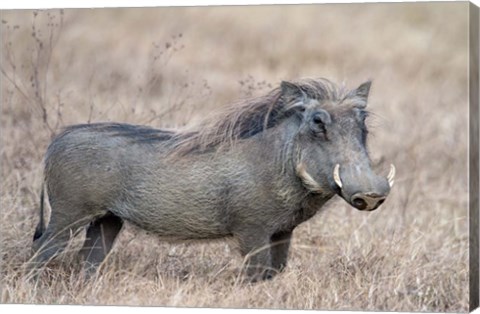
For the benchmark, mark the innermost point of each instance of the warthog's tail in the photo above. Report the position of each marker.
(41, 224)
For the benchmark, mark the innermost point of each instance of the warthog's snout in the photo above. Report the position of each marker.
(363, 189)
(367, 201)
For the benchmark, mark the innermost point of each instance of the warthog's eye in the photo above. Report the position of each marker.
(319, 120)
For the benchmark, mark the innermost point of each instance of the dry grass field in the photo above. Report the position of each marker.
(169, 67)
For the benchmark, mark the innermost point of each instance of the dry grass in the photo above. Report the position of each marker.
(167, 67)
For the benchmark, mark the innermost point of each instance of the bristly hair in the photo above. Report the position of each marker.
(249, 117)
(136, 133)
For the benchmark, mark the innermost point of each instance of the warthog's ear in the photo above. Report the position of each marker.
(293, 92)
(362, 92)
(294, 96)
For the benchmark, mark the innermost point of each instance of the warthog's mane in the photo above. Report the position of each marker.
(249, 117)
(241, 120)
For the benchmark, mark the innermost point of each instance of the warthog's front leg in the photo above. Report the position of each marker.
(255, 247)
(280, 244)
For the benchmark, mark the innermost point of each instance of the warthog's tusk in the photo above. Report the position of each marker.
(391, 175)
(336, 175)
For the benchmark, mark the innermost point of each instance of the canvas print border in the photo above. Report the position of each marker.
(473, 157)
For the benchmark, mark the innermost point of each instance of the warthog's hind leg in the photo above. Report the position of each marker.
(99, 240)
(62, 226)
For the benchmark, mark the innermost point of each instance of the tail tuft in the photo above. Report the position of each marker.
(38, 232)
(40, 229)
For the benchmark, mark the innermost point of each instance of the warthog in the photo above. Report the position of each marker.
(253, 172)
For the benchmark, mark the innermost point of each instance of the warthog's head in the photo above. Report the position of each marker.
(331, 144)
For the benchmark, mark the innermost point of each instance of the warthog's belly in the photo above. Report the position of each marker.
(176, 219)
